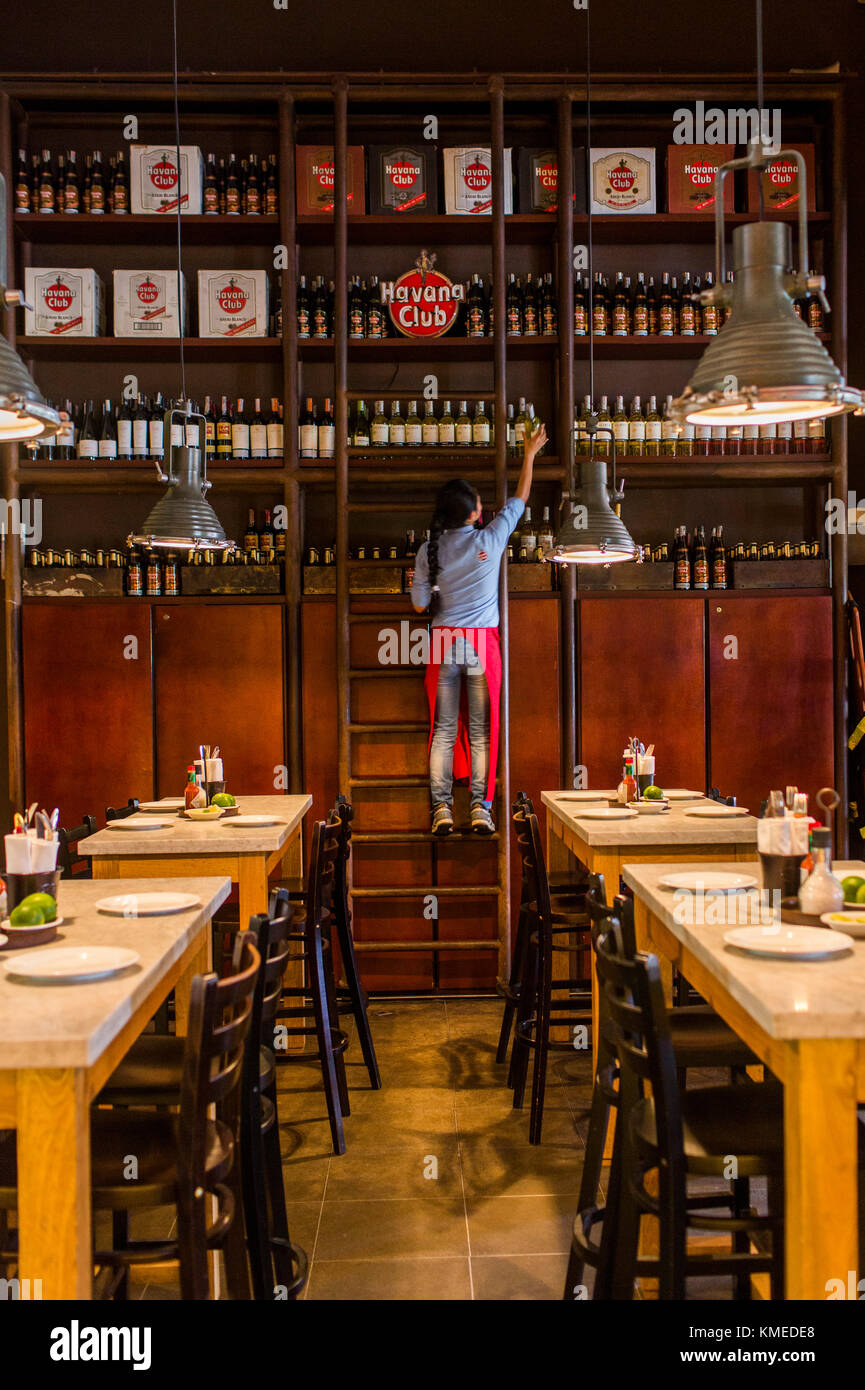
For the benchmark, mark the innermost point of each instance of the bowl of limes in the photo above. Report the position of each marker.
(854, 891)
(33, 920)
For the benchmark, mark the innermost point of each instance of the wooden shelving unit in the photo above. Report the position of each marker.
(296, 109)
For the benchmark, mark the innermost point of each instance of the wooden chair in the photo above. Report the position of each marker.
(567, 901)
(679, 1135)
(120, 813)
(184, 1159)
(700, 1039)
(72, 863)
(278, 1268)
(539, 1003)
(311, 1008)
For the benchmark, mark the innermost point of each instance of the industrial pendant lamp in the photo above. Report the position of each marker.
(183, 519)
(766, 365)
(592, 532)
(24, 413)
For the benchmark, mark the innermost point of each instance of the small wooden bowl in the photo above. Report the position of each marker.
(28, 936)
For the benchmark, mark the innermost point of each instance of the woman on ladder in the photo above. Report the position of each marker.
(457, 578)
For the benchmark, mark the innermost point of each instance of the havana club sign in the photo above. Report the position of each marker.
(422, 303)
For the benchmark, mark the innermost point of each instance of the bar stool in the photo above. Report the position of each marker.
(121, 812)
(317, 1012)
(72, 863)
(538, 1005)
(567, 902)
(184, 1159)
(700, 1039)
(680, 1134)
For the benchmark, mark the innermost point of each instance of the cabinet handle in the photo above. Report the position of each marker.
(166, 616)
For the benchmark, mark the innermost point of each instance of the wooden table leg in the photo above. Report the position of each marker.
(53, 1140)
(820, 1166)
(252, 888)
(200, 963)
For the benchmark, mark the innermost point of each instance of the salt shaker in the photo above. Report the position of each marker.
(821, 892)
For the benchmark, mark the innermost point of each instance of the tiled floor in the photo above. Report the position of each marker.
(439, 1195)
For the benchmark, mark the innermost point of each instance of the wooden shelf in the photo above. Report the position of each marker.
(167, 349)
(118, 229)
(451, 346)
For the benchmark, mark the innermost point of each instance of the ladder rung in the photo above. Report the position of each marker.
(426, 945)
(418, 727)
(387, 671)
(490, 890)
(388, 782)
(417, 837)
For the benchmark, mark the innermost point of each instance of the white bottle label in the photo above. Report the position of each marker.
(750, 431)
(446, 432)
(636, 431)
(464, 432)
(308, 440)
(274, 439)
(258, 441)
(668, 430)
(139, 437)
(124, 437)
(620, 431)
(413, 433)
(66, 436)
(87, 449)
(653, 429)
(177, 434)
(379, 434)
(239, 438)
(108, 448)
(785, 429)
(768, 431)
(800, 429)
(326, 438)
(156, 436)
(397, 432)
(193, 436)
(431, 432)
(481, 431)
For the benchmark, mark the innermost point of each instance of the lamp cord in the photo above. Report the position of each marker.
(179, 193)
(589, 207)
(759, 22)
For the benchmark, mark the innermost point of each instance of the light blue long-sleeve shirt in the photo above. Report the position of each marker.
(468, 585)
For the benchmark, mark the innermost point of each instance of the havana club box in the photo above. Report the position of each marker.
(538, 175)
(66, 303)
(145, 304)
(623, 180)
(469, 179)
(780, 180)
(691, 171)
(156, 184)
(315, 180)
(233, 303)
(402, 179)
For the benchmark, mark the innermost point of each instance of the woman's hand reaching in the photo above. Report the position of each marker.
(535, 439)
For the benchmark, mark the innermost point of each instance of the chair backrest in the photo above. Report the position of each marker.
(271, 936)
(323, 855)
(536, 885)
(72, 864)
(220, 1014)
(635, 1025)
(344, 812)
(523, 802)
(121, 812)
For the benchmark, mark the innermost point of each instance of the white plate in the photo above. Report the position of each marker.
(7, 925)
(252, 820)
(651, 808)
(788, 942)
(147, 904)
(170, 803)
(607, 813)
(851, 921)
(718, 812)
(205, 813)
(70, 963)
(584, 796)
(139, 823)
(682, 794)
(708, 881)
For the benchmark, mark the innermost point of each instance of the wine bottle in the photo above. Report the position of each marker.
(326, 432)
(88, 444)
(275, 432)
(239, 431)
(257, 433)
(123, 427)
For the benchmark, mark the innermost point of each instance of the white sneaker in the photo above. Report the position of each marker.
(482, 821)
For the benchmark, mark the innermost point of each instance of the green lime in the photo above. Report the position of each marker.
(860, 895)
(653, 794)
(26, 915)
(46, 904)
(223, 799)
(852, 885)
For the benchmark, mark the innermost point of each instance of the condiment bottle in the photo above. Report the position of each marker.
(627, 788)
(821, 892)
(194, 794)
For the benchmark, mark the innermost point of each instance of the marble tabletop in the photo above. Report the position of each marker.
(70, 1025)
(201, 838)
(788, 999)
(673, 827)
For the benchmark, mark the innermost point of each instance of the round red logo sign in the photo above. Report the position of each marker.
(477, 176)
(324, 174)
(163, 175)
(147, 292)
(403, 174)
(422, 306)
(232, 299)
(621, 177)
(58, 297)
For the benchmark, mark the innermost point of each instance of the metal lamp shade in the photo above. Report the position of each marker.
(183, 518)
(766, 365)
(595, 535)
(24, 413)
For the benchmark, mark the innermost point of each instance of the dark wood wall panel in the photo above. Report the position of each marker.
(394, 919)
(390, 755)
(88, 706)
(376, 700)
(771, 704)
(641, 670)
(219, 679)
(472, 919)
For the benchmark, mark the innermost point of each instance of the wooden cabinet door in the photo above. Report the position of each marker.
(770, 695)
(88, 701)
(219, 680)
(641, 670)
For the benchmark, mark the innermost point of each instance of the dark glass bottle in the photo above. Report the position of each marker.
(549, 309)
(23, 189)
(531, 309)
(210, 200)
(120, 187)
